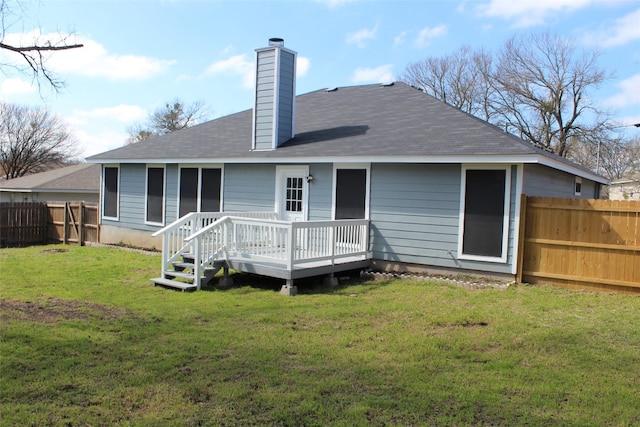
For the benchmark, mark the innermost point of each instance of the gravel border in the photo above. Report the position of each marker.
(460, 280)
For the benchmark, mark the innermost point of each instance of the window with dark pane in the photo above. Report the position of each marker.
(484, 212)
(351, 191)
(155, 194)
(110, 208)
(210, 195)
(188, 190)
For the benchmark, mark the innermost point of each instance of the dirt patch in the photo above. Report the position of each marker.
(54, 251)
(53, 310)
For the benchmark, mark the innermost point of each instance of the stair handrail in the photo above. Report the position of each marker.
(204, 256)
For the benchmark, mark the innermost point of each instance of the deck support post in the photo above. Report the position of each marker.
(289, 289)
(225, 281)
(331, 280)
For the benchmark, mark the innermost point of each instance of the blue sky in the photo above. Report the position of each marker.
(140, 54)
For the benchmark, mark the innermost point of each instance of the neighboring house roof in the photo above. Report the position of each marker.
(371, 123)
(80, 178)
(627, 180)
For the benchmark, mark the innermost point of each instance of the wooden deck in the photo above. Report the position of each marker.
(199, 244)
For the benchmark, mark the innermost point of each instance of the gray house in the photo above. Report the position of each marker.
(375, 175)
(69, 183)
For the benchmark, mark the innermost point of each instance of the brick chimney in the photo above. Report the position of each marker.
(274, 104)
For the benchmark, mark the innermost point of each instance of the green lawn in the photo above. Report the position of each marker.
(86, 340)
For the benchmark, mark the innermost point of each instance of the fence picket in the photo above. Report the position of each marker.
(585, 244)
(31, 223)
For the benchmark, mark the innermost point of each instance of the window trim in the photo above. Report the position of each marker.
(103, 183)
(367, 195)
(505, 220)
(146, 193)
(577, 186)
(199, 167)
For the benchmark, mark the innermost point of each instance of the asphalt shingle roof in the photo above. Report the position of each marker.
(371, 120)
(82, 177)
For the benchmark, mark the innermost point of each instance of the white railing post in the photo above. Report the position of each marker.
(332, 238)
(165, 244)
(292, 246)
(197, 262)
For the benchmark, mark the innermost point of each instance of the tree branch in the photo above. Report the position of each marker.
(37, 48)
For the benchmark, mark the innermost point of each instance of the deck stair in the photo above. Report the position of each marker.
(182, 275)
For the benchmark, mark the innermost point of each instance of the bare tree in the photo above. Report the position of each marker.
(612, 157)
(174, 115)
(32, 140)
(541, 85)
(33, 56)
(535, 87)
(456, 79)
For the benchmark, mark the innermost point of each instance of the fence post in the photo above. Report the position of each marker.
(81, 223)
(521, 237)
(66, 223)
(45, 224)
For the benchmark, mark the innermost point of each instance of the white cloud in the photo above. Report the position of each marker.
(94, 60)
(302, 65)
(628, 95)
(381, 74)
(426, 35)
(625, 30)
(400, 39)
(239, 65)
(90, 143)
(360, 37)
(120, 113)
(524, 14)
(335, 3)
(90, 60)
(15, 86)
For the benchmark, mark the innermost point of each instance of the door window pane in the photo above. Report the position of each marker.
(294, 194)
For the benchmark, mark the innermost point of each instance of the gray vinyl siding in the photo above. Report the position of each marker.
(414, 212)
(132, 198)
(546, 182)
(286, 87)
(171, 193)
(265, 84)
(249, 188)
(133, 193)
(320, 192)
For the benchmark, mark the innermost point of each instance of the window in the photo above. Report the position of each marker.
(485, 213)
(210, 190)
(351, 189)
(293, 199)
(188, 190)
(199, 188)
(110, 193)
(155, 195)
(578, 186)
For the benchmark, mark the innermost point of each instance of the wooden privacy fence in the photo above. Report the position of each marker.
(23, 224)
(580, 244)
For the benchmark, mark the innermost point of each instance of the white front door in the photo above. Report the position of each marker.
(292, 192)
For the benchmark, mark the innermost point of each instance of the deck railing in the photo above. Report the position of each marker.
(280, 243)
(174, 235)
